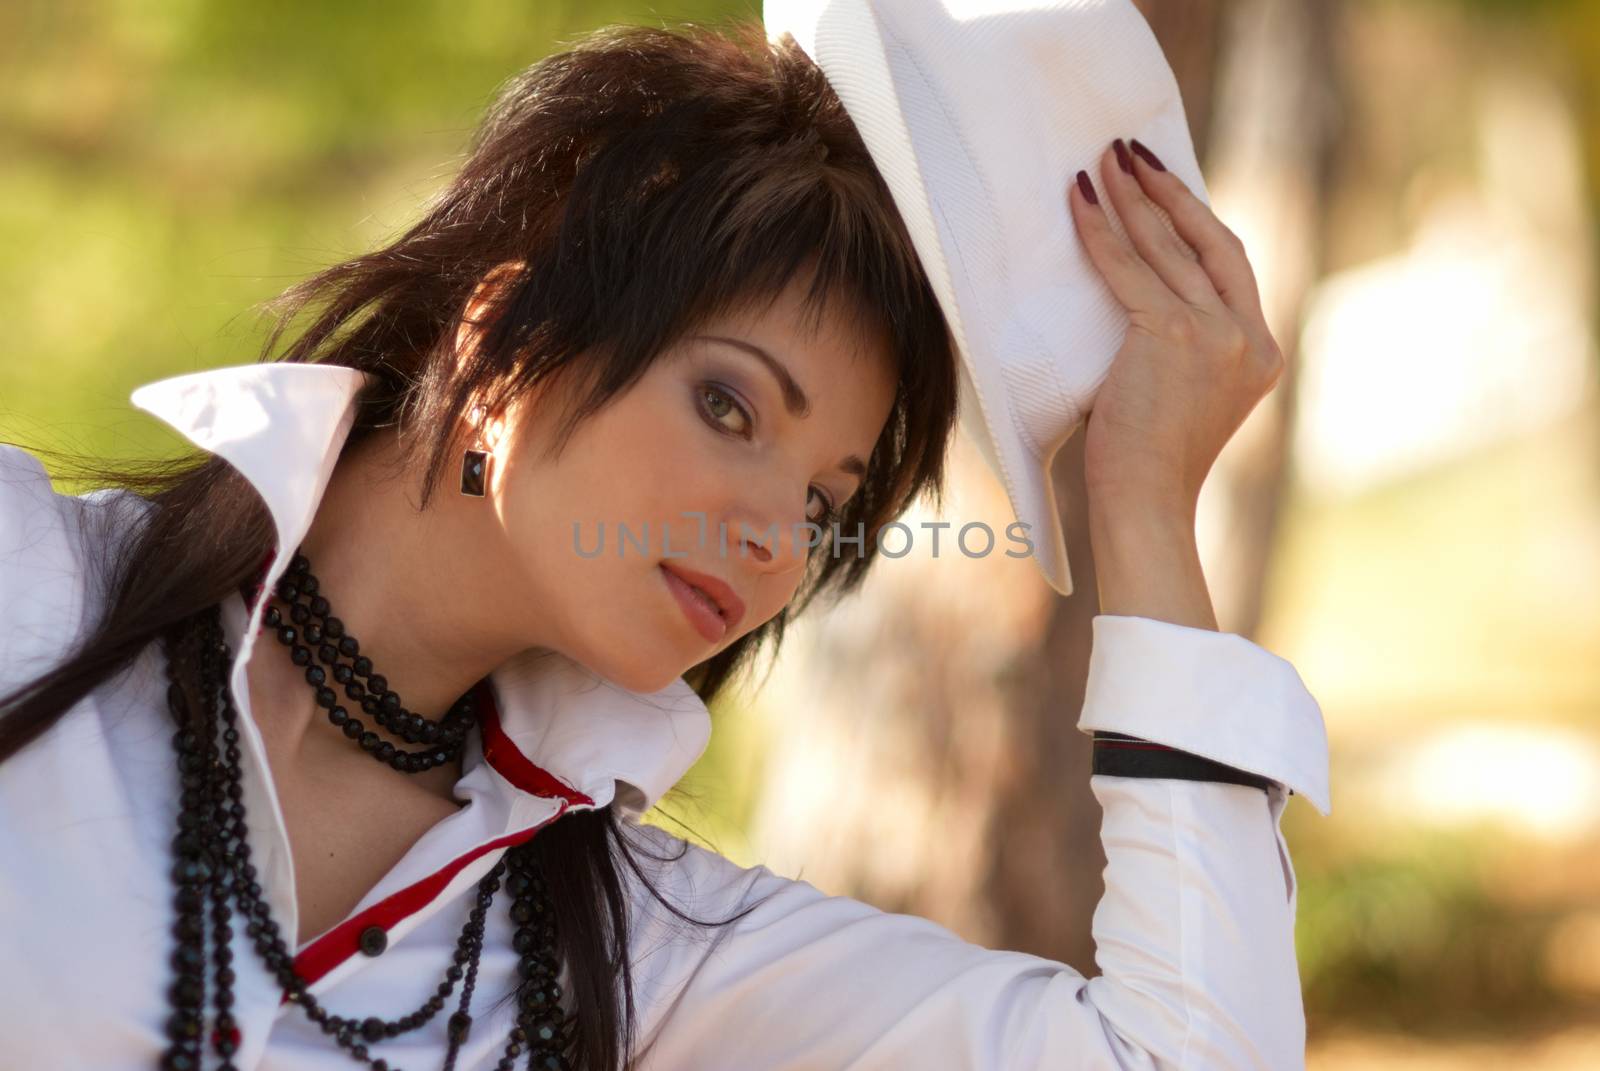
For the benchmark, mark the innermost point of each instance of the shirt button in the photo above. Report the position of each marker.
(374, 940)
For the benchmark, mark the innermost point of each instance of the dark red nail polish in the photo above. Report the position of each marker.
(1124, 161)
(1149, 157)
(1087, 188)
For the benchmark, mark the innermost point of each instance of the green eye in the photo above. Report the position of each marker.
(717, 404)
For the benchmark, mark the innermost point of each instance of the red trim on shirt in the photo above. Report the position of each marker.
(344, 940)
(512, 764)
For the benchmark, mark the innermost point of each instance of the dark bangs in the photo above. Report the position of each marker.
(619, 193)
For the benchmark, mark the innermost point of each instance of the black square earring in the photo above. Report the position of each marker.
(474, 472)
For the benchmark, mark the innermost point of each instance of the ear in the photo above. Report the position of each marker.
(494, 430)
(474, 318)
(484, 427)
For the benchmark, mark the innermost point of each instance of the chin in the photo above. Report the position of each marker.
(635, 674)
(647, 683)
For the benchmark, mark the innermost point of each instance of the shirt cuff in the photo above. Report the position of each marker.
(1214, 694)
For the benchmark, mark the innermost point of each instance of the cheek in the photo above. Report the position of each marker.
(771, 594)
(645, 460)
(653, 458)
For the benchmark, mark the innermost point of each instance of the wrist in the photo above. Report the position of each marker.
(1147, 564)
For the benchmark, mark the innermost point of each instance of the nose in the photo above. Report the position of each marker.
(775, 541)
(774, 548)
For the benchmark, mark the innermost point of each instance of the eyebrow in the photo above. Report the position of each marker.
(794, 398)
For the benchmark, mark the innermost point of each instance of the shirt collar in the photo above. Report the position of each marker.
(282, 425)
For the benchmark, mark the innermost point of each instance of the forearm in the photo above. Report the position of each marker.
(1147, 564)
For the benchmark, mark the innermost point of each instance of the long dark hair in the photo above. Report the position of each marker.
(617, 193)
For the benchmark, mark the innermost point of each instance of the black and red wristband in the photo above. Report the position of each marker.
(1120, 755)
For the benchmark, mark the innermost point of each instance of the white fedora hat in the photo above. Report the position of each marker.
(978, 113)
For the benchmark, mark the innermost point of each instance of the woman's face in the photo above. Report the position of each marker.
(711, 464)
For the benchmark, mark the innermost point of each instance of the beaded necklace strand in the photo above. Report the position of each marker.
(212, 873)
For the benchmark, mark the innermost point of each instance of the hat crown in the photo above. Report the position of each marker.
(978, 113)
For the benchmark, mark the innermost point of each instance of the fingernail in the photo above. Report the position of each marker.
(1149, 157)
(1087, 188)
(1124, 161)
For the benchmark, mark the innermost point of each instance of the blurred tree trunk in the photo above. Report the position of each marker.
(935, 766)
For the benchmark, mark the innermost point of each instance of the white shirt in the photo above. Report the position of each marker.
(1194, 935)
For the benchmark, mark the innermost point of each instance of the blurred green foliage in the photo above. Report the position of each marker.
(1405, 930)
(164, 166)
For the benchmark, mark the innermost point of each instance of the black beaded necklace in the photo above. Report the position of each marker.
(212, 873)
(311, 621)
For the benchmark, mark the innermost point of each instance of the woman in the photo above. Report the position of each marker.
(282, 722)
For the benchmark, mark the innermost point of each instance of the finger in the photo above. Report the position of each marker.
(1130, 279)
(1222, 253)
(1174, 261)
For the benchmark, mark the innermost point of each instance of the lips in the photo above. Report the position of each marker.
(728, 604)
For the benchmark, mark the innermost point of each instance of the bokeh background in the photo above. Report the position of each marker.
(1412, 518)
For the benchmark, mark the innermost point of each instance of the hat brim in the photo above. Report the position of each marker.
(859, 70)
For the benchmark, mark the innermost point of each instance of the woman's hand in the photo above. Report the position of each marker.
(1197, 358)
(1198, 355)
